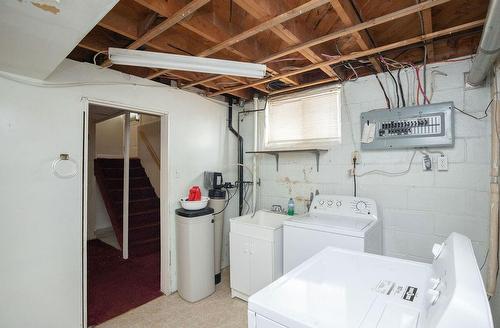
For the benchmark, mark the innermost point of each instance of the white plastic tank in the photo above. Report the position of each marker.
(218, 203)
(195, 253)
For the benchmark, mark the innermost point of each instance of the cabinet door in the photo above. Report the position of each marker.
(239, 252)
(261, 264)
(262, 322)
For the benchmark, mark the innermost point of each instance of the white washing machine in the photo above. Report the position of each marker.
(340, 288)
(333, 220)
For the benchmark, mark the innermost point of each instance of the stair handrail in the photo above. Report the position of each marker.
(150, 148)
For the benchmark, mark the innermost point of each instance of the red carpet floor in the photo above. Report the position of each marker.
(114, 285)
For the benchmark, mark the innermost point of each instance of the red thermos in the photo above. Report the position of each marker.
(194, 193)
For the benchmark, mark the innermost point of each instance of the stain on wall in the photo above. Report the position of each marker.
(46, 7)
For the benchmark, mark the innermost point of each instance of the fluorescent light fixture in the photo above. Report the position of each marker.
(185, 63)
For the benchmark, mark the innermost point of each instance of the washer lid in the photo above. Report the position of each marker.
(339, 288)
(331, 223)
(192, 214)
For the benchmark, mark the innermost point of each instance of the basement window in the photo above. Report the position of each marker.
(302, 120)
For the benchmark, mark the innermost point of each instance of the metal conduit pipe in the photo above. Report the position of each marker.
(492, 272)
(240, 153)
(255, 148)
(484, 60)
(489, 46)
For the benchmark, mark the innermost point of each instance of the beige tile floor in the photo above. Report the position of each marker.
(218, 310)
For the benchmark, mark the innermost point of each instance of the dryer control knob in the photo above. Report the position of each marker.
(329, 203)
(435, 283)
(361, 205)
(437, 249)
(433, 296)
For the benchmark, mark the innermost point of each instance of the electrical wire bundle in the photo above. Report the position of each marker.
(246, 188)
(229, 197)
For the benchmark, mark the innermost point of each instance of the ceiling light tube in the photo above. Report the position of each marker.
(185, 63)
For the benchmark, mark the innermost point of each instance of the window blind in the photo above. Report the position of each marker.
(305, 119)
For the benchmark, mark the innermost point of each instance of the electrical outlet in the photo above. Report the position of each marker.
(426, 163)
(442, 163)
(356, 155)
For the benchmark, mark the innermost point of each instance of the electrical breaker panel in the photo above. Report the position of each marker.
(408, 127)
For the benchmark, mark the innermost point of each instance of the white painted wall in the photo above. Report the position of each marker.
(420, 208)
(152, 131)
(40, 227)
(109, 138)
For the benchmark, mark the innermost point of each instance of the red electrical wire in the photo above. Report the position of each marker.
(420, 89)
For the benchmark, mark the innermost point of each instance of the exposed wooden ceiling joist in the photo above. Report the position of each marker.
(163, 26)
(258, 10)
(364, 53)
(290, 36)
(357, 28)
(303, 86)
(200, 26)
(347, 31)
(427, 22)
(348, 16)
(311, 4)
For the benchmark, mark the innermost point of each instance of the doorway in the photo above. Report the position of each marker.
(124, 222)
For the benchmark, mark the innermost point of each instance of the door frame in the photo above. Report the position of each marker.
(165, 249)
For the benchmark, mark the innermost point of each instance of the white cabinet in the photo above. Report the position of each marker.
(239, 253)
(258, 321)
(256, 252)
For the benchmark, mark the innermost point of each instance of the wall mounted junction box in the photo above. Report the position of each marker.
(408, 127)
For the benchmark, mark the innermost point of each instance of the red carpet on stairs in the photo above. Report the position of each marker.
(144, 204)
(114, 285)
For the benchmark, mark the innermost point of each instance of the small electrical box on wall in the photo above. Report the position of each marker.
(408, 127)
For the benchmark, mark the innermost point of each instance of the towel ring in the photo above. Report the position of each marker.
(56, 166)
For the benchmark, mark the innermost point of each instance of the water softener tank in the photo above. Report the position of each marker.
(217, 202)
(195, 257)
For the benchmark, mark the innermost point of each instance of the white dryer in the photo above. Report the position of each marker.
(333, 220)
(340, 288)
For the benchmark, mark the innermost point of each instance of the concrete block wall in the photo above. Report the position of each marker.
(419, 208)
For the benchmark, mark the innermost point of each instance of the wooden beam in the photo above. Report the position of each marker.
(204, 28)
(310, 5)
(146, 23)
(169, 22)
(256, 9)
(362, 54)
(88, 46)
(356, 28)
(349, 17)
(427, 22)
(303, 86)
(165, 25)
(352, 29)
(128, 27)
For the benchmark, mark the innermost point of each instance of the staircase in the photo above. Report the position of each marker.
(144, 204)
